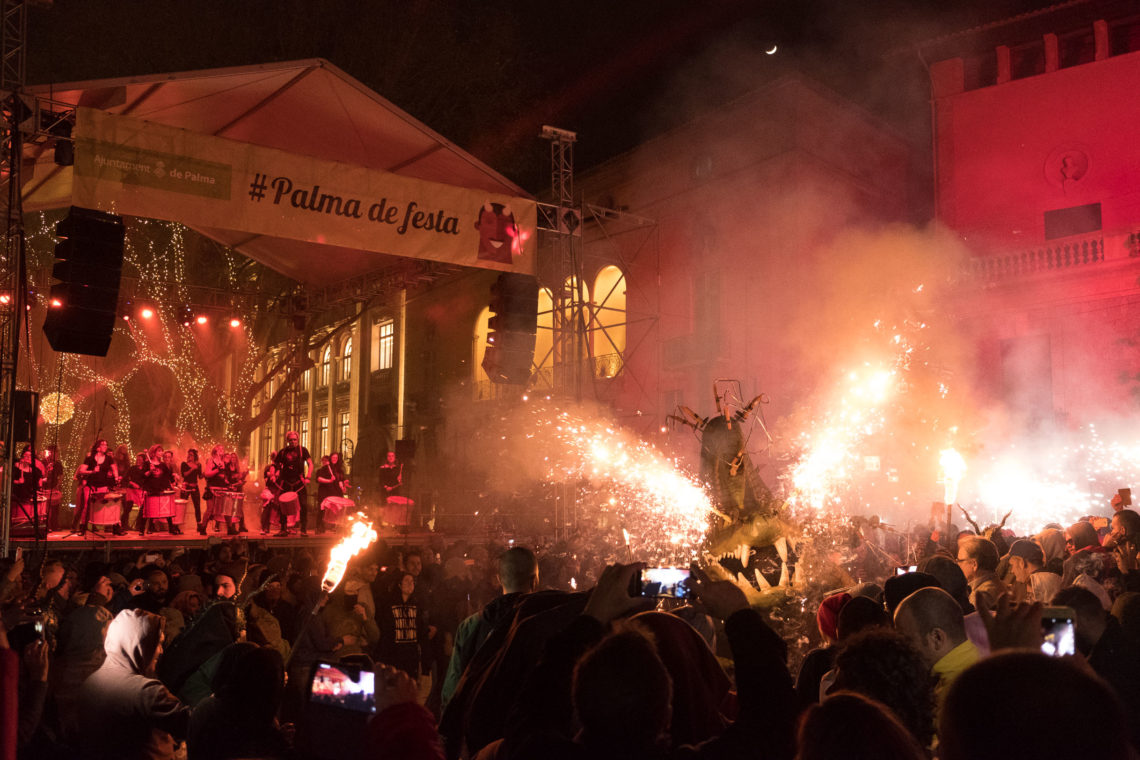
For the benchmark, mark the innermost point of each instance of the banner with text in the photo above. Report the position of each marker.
(129, 166)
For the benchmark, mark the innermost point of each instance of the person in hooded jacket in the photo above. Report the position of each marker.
(125, 713)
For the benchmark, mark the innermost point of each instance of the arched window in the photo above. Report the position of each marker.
(479, 350)
(326, 365)
(346, 361)
(609, 321)
(544, 336)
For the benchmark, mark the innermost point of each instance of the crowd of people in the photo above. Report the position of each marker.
(492, 651)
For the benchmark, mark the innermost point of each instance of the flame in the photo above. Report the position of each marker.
(625, 535)
(360, 537)
(953, 468)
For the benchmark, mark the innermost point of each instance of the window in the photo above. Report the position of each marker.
(305, 441)
(306, 379)
(383, 343)
(326, 365)
(266, 443)
(481, 346)
(324, 436)
(342, 433)
(544, 335)
(346, 361)
(608, 328)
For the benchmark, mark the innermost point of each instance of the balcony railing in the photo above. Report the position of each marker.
(1060, 256)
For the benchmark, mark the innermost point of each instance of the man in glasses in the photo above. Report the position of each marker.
(978, 558)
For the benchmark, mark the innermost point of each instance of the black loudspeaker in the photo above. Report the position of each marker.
(511, 331)
(89, 264)
(26, 412)
(406, 449)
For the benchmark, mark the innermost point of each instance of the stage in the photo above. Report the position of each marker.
(105, 542)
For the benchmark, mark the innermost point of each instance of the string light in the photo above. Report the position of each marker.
(206, 409)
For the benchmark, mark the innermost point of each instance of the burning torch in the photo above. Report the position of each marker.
(360, 536)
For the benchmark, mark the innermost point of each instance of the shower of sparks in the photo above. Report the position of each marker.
(624, 480)
(1057, 483)
(830, 449)
(953, 468)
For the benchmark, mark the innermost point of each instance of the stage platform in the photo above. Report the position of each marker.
(106, 542)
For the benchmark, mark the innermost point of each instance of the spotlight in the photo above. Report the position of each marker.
(235, 322)
(201, 319)
(55, 303)
(146, 312)
(126, 317)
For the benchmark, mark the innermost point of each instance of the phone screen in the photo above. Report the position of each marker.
(1060, 636)
(1125, 496)
(347, 688)
(904, 569)
(667, 582)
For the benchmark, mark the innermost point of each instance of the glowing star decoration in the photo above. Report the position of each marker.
(953, 468)
(56, 408)
(360, 537)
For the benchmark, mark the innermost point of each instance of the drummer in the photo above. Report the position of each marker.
(25, 486)
(134, 492)
(331, 481)
(295, 465)
(191, 471)
(235, 481)
(98, 473)
(159, 482)
(214, 470)
(49, 486)
(269, 503)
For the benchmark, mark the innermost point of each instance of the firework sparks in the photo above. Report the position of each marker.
(953, 468)
(832, 448)
(360, 537)
(624, 479)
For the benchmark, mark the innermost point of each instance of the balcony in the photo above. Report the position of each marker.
(1070, 255)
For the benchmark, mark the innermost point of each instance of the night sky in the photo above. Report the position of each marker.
(487, 75)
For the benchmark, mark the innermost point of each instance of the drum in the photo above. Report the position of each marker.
(228, 504)
(105, 508)
(180, 506)
(290, 506)
(160, 505)
(335, 508)
(397, 511)
(27, 513)
(53, 497)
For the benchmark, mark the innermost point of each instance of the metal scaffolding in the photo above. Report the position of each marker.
(13, 275)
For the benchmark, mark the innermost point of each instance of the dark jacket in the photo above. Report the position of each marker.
(471, 634)
(539, 725)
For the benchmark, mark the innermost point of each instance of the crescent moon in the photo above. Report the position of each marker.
(772, 51)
